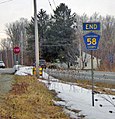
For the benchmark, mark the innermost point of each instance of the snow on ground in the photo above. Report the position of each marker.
(78, 98)
(24, 70)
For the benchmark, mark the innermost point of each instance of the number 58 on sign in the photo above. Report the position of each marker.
(91, 40)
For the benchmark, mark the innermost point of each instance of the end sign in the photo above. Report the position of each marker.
(91, 26)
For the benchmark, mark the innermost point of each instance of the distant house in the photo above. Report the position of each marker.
(81, 63)
(85, 61)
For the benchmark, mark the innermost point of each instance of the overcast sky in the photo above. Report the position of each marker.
(12, 10)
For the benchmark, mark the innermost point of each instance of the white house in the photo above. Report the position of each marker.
(84, 62)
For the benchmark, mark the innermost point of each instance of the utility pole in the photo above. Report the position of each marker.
(36, 39)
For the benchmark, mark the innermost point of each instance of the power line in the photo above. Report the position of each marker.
(5, 1)
(54, 3)
(50, 5)
(55, 45)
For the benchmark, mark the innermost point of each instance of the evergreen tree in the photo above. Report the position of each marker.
(42, 19)
(60, 34)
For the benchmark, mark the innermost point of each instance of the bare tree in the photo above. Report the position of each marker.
(6, 45)
(16, 32)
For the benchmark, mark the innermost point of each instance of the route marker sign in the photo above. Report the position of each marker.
(91, 40)
(91, 26)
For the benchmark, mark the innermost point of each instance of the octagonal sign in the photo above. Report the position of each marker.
(16, 50)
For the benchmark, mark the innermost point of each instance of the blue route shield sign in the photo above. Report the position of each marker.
(91, 40)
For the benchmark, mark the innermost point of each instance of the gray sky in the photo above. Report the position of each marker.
(16, 9)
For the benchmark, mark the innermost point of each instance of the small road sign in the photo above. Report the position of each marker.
(91, 40)
(91, 26)
(16, 50)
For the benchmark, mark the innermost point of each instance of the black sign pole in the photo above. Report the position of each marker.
(92, 75)
(91, 45)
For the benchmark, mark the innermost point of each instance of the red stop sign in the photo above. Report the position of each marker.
(16, 50)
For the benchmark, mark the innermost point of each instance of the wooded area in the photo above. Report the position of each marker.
(59, 37)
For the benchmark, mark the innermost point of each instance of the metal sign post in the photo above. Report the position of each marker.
(91, 41)
(92, 73)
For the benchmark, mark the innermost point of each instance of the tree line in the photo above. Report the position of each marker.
(59, 36)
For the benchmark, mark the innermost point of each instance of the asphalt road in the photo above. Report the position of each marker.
(7, 70)
(99, 76)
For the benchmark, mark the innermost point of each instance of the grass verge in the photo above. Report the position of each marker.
(29, 99)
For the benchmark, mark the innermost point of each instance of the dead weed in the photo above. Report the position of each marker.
(29, 99)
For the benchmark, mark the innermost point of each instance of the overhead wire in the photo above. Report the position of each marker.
(5, 1)
(50, 5)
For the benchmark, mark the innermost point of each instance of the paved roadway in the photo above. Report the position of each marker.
(7, 70)
(99, 76)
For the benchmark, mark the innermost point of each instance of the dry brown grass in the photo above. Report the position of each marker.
(29, 99)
